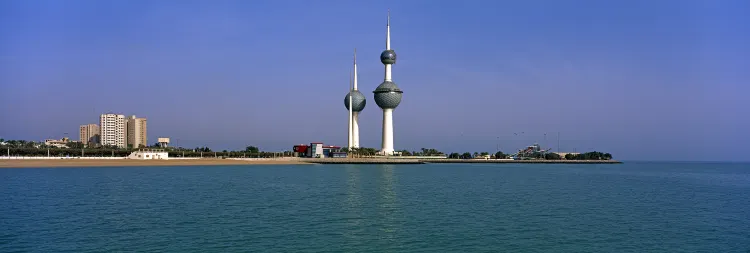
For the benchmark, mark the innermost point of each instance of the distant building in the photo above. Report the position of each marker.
(318, 150)
(61, 143)
(136, 132)
(149, 154)
(163, 142)
(89, 135)
(483, 157)
(112, 130)
(562, 154)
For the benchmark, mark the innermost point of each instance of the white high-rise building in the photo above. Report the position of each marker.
(136, 132)
(387, 94)
(112, 130)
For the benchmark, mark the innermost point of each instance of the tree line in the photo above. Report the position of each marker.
(469, 155)
(589, 156)
(422, 152)
(76, 149)
(360, 152)
(65, 152)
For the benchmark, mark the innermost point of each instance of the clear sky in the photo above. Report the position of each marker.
(644, 80)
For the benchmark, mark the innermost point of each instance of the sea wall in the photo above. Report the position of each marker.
(360, 161)
(423, 161)
(59, 158)
(268, 159)
(522, 161)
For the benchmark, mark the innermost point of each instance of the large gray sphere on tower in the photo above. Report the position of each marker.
(358, 101)
(388, 57)
(388, 95)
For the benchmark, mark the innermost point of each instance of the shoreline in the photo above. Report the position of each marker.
(523, 161)
(68, 163)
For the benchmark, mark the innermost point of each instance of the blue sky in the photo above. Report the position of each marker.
(644, 80)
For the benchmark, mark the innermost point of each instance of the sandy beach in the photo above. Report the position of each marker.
(50, 163)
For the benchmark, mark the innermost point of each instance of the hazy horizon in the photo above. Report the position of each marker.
(643, 80)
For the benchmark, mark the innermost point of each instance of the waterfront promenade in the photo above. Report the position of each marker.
(49, 162)
(114, 162)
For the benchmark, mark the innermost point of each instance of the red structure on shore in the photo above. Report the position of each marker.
(318, 150)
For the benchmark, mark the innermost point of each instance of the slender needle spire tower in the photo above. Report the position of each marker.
(387, 94)
(355, 117)
(355, 102)
(351, 113)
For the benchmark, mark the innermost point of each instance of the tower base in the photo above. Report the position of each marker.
(355, 130)
(387, 132)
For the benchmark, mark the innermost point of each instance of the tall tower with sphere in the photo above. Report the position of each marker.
(355, 102)
(387, 94)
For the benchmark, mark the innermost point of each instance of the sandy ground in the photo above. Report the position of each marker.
(118, 163)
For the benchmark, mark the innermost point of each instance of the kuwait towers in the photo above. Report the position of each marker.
(387, 94)
(355, 103)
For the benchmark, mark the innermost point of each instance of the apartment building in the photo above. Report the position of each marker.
(112, 130)
(89, 135)
(136, 132)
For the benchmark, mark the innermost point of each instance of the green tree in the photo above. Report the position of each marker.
(454, 156)
(466, 155)
(552, 156)
(252, 149)
(406, 153)
(431, 152)
(589, 156)
(500, 155)
(74, 144)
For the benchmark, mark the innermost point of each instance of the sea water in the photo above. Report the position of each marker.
(631, 207)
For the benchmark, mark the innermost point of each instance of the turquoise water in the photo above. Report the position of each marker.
(632, 207)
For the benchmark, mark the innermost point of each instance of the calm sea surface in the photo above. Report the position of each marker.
(632, 207)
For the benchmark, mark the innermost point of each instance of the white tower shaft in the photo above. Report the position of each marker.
(355, 130)
(388, 72)
(351, 114)
(355, 115)
(387, 131)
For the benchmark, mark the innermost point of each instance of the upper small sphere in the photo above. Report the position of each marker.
(358, 101)
(388, 57)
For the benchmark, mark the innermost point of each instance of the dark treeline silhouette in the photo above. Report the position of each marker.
(76, 149)
(589, 156)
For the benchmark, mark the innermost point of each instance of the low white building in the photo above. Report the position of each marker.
(483, 157)
(61, 143)
(149, 154)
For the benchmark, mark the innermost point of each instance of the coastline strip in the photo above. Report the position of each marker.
(52, 163)
(522, 161)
